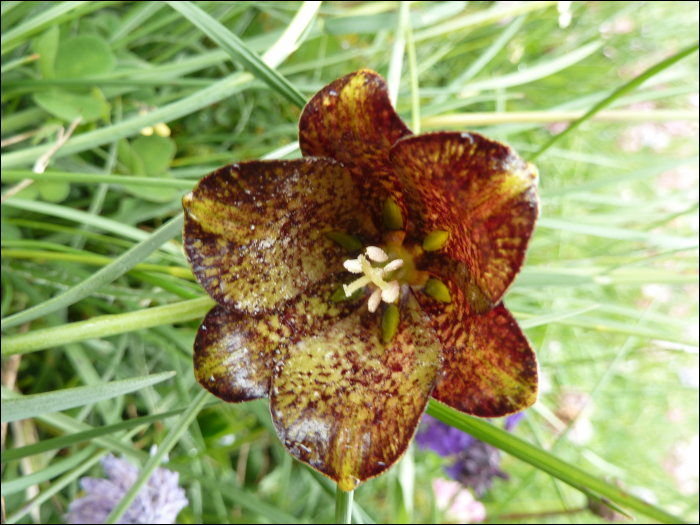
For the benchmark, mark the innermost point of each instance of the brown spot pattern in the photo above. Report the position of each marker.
(254, 232)
(489, 368)
(480, 191)
(352, 120)
(347, 404)
(341, 400)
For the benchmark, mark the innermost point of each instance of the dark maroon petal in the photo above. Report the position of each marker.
(489, 367)
(483, 194)
(352, 120)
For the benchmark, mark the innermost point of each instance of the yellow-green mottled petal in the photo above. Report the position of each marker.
(234, 353)
(255, 232)
(347, 404)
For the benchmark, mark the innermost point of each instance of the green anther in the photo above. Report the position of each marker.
(437, 290)
(390, 323)
(392, 215)
(435, 240)
(339, 295)
(348, 242)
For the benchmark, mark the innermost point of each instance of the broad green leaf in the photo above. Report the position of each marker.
(59, 400)
(83, 56)
(46, 46)
(53, 191)
(152, 154)
(68, 106)
(131, 160)
(156, 152)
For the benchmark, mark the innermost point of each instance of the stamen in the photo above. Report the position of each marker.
(375, 274)
(374, 300)
(376, 254)
(356, 285)
(353, 266)
(393, 265)
(392, 292)
(388, 292)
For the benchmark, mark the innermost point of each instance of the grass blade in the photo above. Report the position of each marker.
(620, 234)
(622, 90)
(556, 316)
(537, 72)
(36, 404)
(240, 52)
(81, 217)
(56, 469)
(35, 24)
(105, 326)
(126, 128)
(86, 435)
(102, 277)
(543, 460)
(166, 446)
(96, 178)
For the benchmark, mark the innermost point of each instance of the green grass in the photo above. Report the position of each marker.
(608, 296)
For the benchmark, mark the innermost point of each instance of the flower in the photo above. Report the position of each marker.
(475, 463)
(159, 501)
(349, 370)
(457, 503)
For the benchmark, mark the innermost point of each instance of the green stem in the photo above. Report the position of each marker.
(343, 506)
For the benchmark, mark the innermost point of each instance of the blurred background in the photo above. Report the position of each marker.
(608, 296)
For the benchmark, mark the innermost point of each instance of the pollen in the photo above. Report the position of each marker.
(385, 291)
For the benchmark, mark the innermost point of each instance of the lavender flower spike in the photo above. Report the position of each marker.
(159, 501)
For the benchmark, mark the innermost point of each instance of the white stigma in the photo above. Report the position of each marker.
(387, 292)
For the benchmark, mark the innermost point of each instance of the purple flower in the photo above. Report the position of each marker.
(475, 463)
(159, 501)
(441, 438)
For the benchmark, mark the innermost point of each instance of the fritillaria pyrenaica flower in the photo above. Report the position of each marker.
(358, 281)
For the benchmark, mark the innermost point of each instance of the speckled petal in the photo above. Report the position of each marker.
(234, 353)
(489, 368)
(482, 193)
(347, 404)
(255, 232)
(352, 120)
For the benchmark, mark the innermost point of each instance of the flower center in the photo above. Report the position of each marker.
(386, 291)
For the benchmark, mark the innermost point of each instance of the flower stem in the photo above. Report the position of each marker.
(343, 506)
